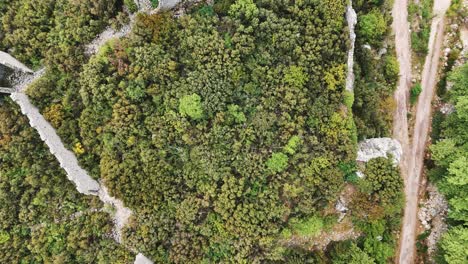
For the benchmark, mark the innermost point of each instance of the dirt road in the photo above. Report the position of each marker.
(423, 117)
(402, 46)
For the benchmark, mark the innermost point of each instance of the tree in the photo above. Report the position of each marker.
(372, 26)
(293, 143)
(351, 254)
(278, 162)
(384, 181)
(191, 106)
(454, 244)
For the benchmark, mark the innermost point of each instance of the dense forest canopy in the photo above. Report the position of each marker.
(43, 219)
(450, 154)
(226, 130)
(226, 134)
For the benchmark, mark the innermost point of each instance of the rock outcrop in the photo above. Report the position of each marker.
(168, 4)
(140, 259)
(432, 216)
(379, 147)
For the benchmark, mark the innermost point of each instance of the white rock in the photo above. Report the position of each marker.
(382, 51)
(447, 109)
(340, 206)
(360, 174)
(379, 147)
(168, 4)
(141, 259)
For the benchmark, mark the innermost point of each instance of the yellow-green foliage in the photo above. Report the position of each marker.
(191, 106)
(278, 162)
(372, 26)
(348, 99)
(293, 143)
(308, 227)
(335, 76)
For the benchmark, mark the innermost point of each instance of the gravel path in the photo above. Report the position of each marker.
(108, 34)
(122, 213)
(423, 120)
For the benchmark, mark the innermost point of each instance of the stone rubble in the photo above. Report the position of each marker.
(121, 215)
(341, 208)
(447, 108)
(432, 217)
(144, 5)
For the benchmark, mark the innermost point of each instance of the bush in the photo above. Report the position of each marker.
(414, 92)
(130, 4)
(154, 3)
(372, 26)
(308, 227)
(392, 69)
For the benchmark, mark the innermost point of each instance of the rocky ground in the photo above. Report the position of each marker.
(432, 215)
(379, 147)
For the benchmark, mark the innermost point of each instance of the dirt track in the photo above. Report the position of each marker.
(402, 46)
(414, 161)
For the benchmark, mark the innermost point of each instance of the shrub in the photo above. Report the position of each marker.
(372, 26)
(221, 7)
(54, 114)
(348, 99)
(308, 227)
(392, 68)
(414, 92)
(206, 10)
(78, 148)
(130, 4)
(154, 3)
(236, 114)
